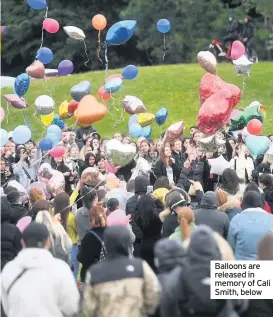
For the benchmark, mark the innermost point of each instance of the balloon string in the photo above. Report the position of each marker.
(121, 110)
(164, 37)
(106, 61)
(7, 116)
(244, 86)
(42, 40)
(26, 120)
(99, 49)
(85, 51)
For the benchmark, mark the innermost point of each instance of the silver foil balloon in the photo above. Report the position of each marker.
(212, 143)
(133, 105)
(120, 154)
(44, 105)
(242, 66)
(80, 90)
(208, 61)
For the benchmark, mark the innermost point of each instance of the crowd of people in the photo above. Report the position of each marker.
(138, 242)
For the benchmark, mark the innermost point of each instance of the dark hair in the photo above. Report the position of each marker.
(252, 199)
(146, 210)
(194, 127)
(13, 195)
(252, 186)
(87, 157)
(230, 181)
(162, 182)
(266, 180)
(88, 196)
(101, 193)
(91, 143)
(184, 139)
(130, 187)
(62, 206)
(39, 206)
(112, 204)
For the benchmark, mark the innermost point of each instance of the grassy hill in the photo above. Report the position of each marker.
(172, 86)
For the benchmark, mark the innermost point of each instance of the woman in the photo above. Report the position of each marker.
(162, 182)
(159, 145)
(92, 244)
(166, 166)
(186, 144)
(89, 161)
(147, 218)
(86, 148)
(101, 165)
(6, 174)
(153, 159)
(266, 184)
(95, 146)
(230, 207)
(36, 194)
(38, 206)
(59, 165)
(185, 217)
(232, 184)
(71, 162)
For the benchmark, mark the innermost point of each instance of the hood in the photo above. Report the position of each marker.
(168, 254)
(229, 205)
(209, 201)
(197, 253)
(117, 241)
(84, 211)
(18, 208)
(30, 258)
(5, 209)
(141, 183)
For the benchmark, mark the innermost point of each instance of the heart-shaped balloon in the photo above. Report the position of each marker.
(36, 70)
(63, 110)
(237, 50)
(72, 106)
(80, 90)
(120, 154)
(161, 116)
(209, 85)
(133, 105)
(174, 131)
(16, 101)
(144, 119)
(208, 61)
(90, 110)
(257, 144)
(218, 165)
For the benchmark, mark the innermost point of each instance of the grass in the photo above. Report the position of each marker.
(172, 86)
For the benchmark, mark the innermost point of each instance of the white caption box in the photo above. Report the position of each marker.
(241, 279)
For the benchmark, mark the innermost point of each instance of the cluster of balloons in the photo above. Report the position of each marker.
(240, 61)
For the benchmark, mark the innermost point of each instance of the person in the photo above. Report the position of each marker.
(249, 226)
(38, 280)
(10, 235)
(39, 206)
(36, 194)
(177, 153)
(247, 36)
(232, 184)
(17, 210)
(59, 165)
(266, 184)
(112, 205)
(210, 216)
(232, 32)
(120, 286)
(92, 244)
(6, 173)
(230, 207)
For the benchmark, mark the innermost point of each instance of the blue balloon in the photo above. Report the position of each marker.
(120, 32)
(161, 116)
(54, 138)
(113, 85)
(163, 26)
(146, 132)
(54, 129)
(44, 55)
(56, 119)
(4, 137)
(135, 130)
(60, 124)
(21, 84)
(46, 144)
(37, 4)
(21, 134)
(257, 144)
(130, 72)
(132, 120)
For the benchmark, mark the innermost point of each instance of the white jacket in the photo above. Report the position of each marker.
(47, 288)
(242, 165)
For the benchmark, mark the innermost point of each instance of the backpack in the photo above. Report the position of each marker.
(103, 252)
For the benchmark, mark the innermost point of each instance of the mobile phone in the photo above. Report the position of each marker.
(150, 189)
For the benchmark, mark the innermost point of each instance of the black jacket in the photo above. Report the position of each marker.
(160, 170)
(180, 159)
(17, 211)
(126, 171)
(64, 169)
(194, 173)
(233, 28)
(247, 30)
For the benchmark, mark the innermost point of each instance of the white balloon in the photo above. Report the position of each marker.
(44, 105)
(218, 165)
(74, 32)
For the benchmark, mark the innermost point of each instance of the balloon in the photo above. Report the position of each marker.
(102, 94)
(56, 184)
(255, 127)
(74, 32)
(163, 26)
(63, 110)
(44, 55)
(161, 116)
(21, 134)
(109, 168)
(133, 105)
(54, 138)
(60, 124)
(37, 4)
(57, 151)
(234, 114)
(113, 76)
(257, 144)
(56, 119)
(51, 25)
(211, 144)
(144, 119)
(208, 61)
(3, 29)
(80, 90)
(15, 101)
(218, 165)
(23, 223)
(2, 114)
(132, 120)
(237, 50)
(45, 144)
(146, 132)
(4, 137)
(143, 167)
(44, 105)
(54, 129)
(242, 66)
(99, 22)
(65, 67)
(209, 85)
(120, 154)
(92, 177)
(130, 72)
(174, 131)
(47, 119)
(21, 84)
(135, 130)
(120, 32)
(36, 70)
(113, 85)
(90, 110)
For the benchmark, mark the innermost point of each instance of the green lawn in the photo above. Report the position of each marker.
(172, 86)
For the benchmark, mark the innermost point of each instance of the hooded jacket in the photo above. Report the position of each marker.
(210, 216)
(121, 195)
(120, 286)
(82, 222)
(231, 208)
(42, 287)
(17, 211)
(268, 197)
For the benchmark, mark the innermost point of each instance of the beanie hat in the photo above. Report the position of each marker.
(35, 235)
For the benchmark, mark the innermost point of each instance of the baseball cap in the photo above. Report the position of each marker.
(35, 235)
(175, 199)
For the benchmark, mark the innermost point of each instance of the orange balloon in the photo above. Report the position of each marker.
(90, 110)
(255, 127)
(99, 22)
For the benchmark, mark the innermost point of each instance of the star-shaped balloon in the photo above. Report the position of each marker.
(218, 165)
(242, 66)
(212, 143)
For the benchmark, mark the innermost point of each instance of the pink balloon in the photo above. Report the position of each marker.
(102, 94)
(16, 101)
(114, 76)
(51, 25)
(2, 114)
(237, 50)
(57, 151)
(233, 114)
(23, 223)
(109, 168)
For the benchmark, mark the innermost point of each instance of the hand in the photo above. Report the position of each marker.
(79, 185)
(67, 174)
(84, 136)
(197, 186)
(58, 217)
(245, 39)
(172, 160)
(187, 164)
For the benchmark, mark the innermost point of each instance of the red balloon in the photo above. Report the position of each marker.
(57, 151)
(237, 50)
(51, 25)
(102, 94)
(114, 76)
(255, 127)
(72, 106)
(209, 85)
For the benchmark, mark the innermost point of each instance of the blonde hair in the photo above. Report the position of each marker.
(185, 218)
(221, 197)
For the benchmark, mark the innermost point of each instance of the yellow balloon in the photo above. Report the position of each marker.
(145, 119)
(160, 194)
(47, 120)
(63, 110)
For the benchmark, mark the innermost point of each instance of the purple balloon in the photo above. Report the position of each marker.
(3, 29)
(65, 67)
